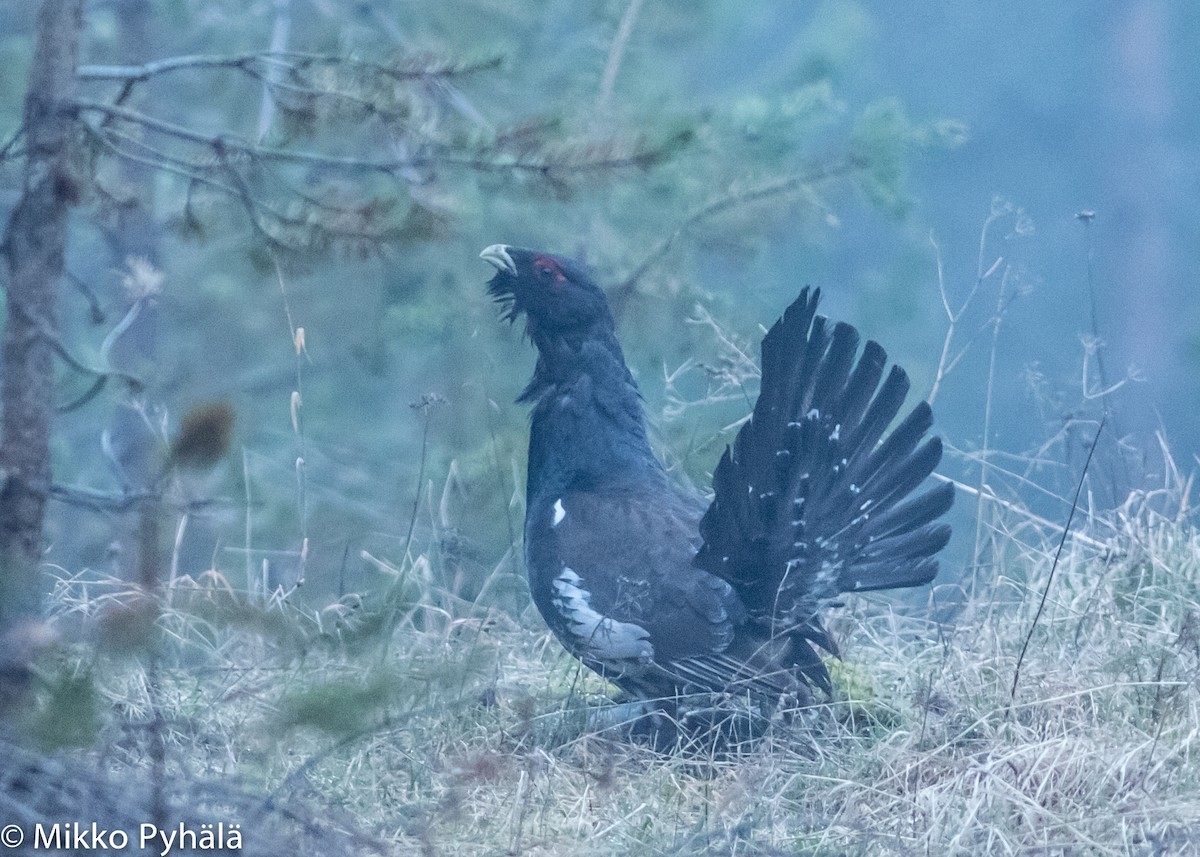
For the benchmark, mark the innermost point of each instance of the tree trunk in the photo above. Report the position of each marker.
(34, 243)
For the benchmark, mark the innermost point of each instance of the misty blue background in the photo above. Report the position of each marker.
(1067, 107)
(1070, 106)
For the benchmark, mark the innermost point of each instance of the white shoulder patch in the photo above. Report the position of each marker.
(559, 513)
(600, 637)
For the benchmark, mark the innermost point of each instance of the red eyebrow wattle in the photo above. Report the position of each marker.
(547, 263)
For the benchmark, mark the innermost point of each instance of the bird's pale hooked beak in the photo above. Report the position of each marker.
(497, 255)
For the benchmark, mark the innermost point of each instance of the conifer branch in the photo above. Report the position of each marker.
(412, 68)
(778, 186)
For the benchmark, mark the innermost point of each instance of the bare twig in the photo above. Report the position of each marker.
(425, 405)
(157, 159)
(1106, 388)
(1086, 217)
(297, 340)
(248, 536)
(140, 73)
(89, 295)
(990, 496)
(239, 190)
(985, 447)
(101, 374)
(774, 187)
(11, 142)
(279, 39)
(1053, 567)
(100, 501)
(616, 53)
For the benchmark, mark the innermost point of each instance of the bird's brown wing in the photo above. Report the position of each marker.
(612, 575)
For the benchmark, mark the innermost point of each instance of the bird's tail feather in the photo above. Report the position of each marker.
(813, 499)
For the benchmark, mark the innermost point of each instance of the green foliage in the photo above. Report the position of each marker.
(782, 120)
(858, 705)
(66, 710)
(340, 707)
(884, 137)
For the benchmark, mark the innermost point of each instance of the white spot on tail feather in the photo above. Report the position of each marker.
(559, 513)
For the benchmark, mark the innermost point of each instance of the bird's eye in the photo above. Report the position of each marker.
(548, 272)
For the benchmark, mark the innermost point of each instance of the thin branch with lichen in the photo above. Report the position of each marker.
(591, 157)
(414, 68)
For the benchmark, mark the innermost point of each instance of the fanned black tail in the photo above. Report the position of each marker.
(808, 502)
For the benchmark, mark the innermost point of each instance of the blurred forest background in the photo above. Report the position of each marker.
(288, 221)
(274, 209)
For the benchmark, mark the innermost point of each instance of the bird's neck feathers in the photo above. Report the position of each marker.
(588, 429)
(564, 356)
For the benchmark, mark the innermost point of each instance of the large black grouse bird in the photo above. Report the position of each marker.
(664, 597)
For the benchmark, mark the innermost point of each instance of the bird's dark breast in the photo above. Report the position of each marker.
(610, 571)
(605, 536)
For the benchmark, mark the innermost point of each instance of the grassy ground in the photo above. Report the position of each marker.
(431, 725)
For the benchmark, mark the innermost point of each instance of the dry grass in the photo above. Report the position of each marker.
(471, 735)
